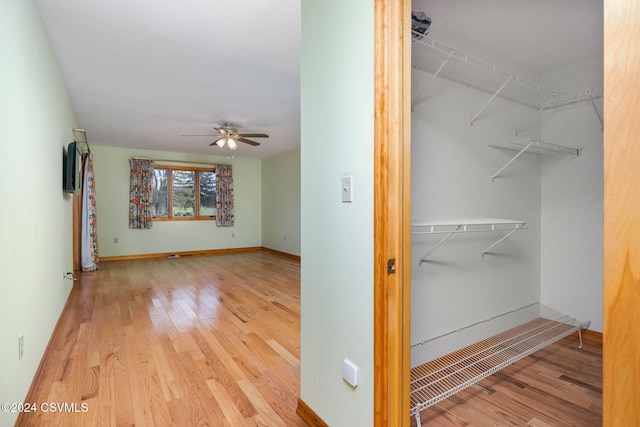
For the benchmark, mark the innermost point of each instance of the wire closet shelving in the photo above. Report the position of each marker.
(450, 227)
(528, 145)
(441, 60)
(449, 363)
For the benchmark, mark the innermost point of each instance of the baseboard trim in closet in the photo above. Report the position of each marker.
(447, 364)
(593, 335)
(309, 416)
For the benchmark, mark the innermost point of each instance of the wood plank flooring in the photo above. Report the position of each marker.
(214, 341)
(193, 341)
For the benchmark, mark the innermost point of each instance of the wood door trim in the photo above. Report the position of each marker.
(621, 359)
(392, 115)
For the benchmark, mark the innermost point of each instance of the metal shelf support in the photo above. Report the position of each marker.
(525, 148)
(491, 99)
(518, 227)
(416, 100)
(447, 237)
(596, 110)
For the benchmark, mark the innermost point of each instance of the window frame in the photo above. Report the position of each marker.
(195, 169)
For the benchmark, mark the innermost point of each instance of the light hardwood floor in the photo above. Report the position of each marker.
(193, 341)
(214, 341)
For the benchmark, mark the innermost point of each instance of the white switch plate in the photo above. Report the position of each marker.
(347, 195)
(350, 372)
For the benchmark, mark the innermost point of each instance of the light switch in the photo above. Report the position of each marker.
(350, 372)
(346, 189)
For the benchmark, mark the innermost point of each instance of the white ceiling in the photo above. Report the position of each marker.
(535, 35)
(141, 73)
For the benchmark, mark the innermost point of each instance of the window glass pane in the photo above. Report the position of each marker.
(160, 194)
(183, 195)
(207, 193)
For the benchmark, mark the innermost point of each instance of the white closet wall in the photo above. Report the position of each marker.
(452, 166)
(572, 200)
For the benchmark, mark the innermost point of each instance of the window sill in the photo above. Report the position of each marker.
(186, 218)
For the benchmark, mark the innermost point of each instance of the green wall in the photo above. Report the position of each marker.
(281, 202)
(111, 167)
(337, 238)
(36, 119)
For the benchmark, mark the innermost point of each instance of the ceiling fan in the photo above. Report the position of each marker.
(229, 135)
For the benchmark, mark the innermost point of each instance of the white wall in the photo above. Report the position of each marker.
(572, 200)
(337, 238)
(112, 171)
(281, 202)
(35, 219)
(452, 166)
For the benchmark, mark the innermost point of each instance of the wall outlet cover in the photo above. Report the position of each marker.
(350, 372)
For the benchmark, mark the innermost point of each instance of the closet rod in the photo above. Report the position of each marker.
(173, 161)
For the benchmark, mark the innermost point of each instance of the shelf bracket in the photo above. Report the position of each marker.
(447, 237)
(525, 148)
(597, 112)
(549, 101)
(416, 100)
(518, 227)
(491, 99)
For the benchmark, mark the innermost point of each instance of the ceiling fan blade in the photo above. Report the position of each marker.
(215, 140)
(253, 135)
(248, 141)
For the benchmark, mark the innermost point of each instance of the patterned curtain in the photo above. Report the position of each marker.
(224, 196)
(89, 250)
(140, 192)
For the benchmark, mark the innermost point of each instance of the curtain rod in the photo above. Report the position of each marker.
(173, 161)
(84, 137)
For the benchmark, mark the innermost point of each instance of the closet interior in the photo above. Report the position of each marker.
(506, 191)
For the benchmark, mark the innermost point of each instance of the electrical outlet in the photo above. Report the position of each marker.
(233, 234)
(20, 346)
(115, 240)
(350, 372)
(285, 237)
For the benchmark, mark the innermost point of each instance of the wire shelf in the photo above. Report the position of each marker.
(441, 60)
(447, 364)
(451, 227)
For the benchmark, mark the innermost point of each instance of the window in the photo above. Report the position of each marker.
(184, 193)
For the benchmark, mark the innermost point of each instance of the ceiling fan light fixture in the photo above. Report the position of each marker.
(228, 135)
